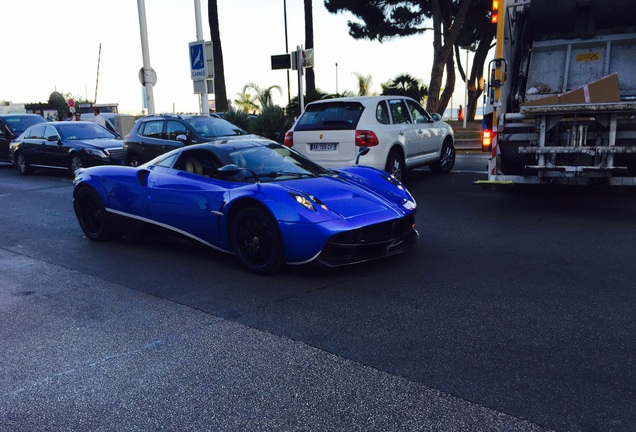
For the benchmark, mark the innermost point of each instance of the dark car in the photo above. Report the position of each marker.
(11, 126)
(154, 135)
(65, 145)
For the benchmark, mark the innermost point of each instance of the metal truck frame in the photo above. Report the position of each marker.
(561, 100)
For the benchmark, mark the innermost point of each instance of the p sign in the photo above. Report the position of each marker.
(198, 63)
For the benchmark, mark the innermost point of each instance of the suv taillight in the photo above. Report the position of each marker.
(289, 139)
(366, 138)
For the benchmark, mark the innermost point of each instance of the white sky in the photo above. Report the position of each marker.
(54, 45)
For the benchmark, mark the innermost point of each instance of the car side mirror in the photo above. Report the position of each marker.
(362, 152)
(183, 138)
(231, 170)
(436, 117)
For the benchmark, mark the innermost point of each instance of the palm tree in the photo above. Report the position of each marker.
(263, 97)
(246, 101)
(364, 82)
(406, 85)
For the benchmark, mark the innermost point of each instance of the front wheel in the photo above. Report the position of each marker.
(256, 241)
(91, 215)
(395, 165)
(446, 159)
(22, 165)
(75, 163)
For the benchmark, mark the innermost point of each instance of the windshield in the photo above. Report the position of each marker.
(212, 127)
(18, 124)
(83, 131)
(271, 162)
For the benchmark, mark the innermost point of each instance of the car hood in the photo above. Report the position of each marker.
(100, 143)
(349, 198)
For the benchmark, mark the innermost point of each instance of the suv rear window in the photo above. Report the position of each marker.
(330, 116)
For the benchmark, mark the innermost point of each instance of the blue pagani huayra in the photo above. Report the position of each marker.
(253, 197)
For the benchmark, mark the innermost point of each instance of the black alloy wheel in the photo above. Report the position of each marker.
(75, 162)
(134, 161)
(446, 160)
(256, 241)
(395, 165)
(91, 215)
(22, 165)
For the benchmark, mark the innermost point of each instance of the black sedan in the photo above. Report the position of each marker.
(65, 145)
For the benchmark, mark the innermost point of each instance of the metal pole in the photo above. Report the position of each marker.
(143, 29)
(336, 77)
(299, 63)
(466, 94)
(205, 102)
(99, 58)
(287, 52)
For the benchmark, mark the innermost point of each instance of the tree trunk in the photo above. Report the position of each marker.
(310, 79)
(443, 42)
(476, 81)
(220, 94)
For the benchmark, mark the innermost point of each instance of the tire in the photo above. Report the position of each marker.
(75, 163)
(395, 165)
(256, 241)
(133, 160)
(91, 215)
(446, 160)
(22, 165)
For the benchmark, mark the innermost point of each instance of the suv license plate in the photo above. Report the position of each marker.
(323, 146)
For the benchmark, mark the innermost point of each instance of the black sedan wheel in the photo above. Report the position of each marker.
(75, 162)
(91, 214)
(256, 241)
(134, 160)
(22, 165)
(446, 160)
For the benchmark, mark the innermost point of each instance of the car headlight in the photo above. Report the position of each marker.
(308, 201)
(96, 152)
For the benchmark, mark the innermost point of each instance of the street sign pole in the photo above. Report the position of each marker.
(147, 70)
(204, 98)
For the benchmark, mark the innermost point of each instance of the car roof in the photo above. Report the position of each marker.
(20, 115)
(363, 99)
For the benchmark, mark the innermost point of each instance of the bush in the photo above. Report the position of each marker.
(272, 123)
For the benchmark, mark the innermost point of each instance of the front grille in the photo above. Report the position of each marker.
(377, 233)
(371, 242)
(115, 153)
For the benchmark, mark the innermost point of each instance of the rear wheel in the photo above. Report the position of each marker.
(256, 241)
(446, 159)
(134, 160)
(91, 214)
(395, 165)
(22, 165)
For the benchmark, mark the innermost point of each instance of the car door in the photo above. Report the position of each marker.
(187, 202)
(407, 132)
(429, 136)
(52, 152)
(152, 138)
(31, 143)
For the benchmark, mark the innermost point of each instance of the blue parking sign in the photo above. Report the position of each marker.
(198, 63)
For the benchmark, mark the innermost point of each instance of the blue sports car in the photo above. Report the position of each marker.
(253, 197)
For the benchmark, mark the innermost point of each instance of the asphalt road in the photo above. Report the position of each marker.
(514, 312)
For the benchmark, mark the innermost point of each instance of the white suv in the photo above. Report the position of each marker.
(398, 132)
